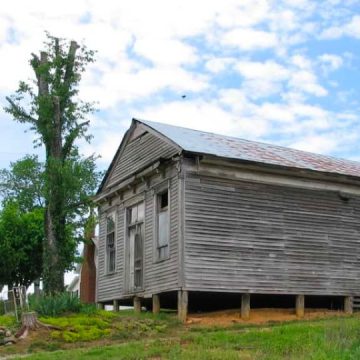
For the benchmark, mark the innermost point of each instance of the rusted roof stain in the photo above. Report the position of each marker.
(235, 148)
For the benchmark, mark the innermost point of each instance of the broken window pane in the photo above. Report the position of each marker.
(110, 226)
(163, 223)
(141, 212)
(110, 243)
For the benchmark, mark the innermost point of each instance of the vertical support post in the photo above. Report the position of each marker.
(100, 306)
(156, 304)
(182, 305)
(300, 306)
(116, 305)
(137, 304)
(245, 306)
(348, 304)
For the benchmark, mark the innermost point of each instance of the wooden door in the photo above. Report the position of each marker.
(135, 247)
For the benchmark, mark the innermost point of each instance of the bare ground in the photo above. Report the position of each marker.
(257, 316)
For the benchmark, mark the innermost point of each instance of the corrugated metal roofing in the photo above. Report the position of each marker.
(230, 147)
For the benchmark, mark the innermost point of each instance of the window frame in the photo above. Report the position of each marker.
(157, 199)
(129, 224)
(107, 250)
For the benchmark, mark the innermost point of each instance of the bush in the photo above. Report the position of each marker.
(55, 305)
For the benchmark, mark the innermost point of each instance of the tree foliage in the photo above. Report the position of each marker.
(50, 105)
(21, 240)
(24, 182)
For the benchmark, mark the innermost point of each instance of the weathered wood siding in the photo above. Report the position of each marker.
(162, 275)
(110, 286)
(137, 154)
(158, 276)
(248, 237)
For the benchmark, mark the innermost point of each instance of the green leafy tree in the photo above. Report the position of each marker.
(21, 240)
(53, 110)
(24, 182)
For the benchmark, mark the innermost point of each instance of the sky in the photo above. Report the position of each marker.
(283, 72)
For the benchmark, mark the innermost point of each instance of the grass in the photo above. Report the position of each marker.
(105, 335)
(8, 321)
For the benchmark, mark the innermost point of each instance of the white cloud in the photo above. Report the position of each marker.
(122, 86)
(246, 66)
(306, 81)
(268, 70)
(162, 51)
(317, 144)
(249, 39)
(351, 29)
(217, 65)
(330, 62)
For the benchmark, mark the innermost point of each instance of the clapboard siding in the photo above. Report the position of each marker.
(158, 276)
(249, 237)
(139, 153)
(163, 275)
(110, 287)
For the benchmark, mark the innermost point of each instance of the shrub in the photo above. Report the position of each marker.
(55, 305)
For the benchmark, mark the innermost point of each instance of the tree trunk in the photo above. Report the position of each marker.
(29, 320)
(53, 269)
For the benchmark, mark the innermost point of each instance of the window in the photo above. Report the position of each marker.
(110, 244)
(135, 229)
(162, 225)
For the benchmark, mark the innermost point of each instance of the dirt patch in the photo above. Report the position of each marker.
(257, 316)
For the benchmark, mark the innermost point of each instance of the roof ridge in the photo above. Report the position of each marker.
(287, 148)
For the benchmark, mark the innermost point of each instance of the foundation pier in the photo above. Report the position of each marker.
(245, 306)
(182, 305)
(300, 306)
(137, 304)
(156, 304)
(348, 304)
(115, 305)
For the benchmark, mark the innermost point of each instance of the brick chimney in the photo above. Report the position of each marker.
(88, 269)
(88, 274)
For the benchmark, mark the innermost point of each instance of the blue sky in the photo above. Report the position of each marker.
(284, 72)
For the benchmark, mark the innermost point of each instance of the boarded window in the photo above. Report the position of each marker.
(163, 225)
(110, 244)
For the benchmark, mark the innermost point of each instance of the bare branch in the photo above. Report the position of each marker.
(70, 63)
(19, 113)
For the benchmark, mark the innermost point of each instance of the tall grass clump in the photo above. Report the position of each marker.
(55, 305)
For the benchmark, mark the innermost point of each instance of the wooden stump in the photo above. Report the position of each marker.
(30, 320)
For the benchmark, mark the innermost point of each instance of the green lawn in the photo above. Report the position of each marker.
(148, 337)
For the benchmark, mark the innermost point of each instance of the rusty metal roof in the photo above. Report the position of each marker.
(202, 142)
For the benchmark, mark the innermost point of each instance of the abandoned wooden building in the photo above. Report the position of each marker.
(186, 214)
